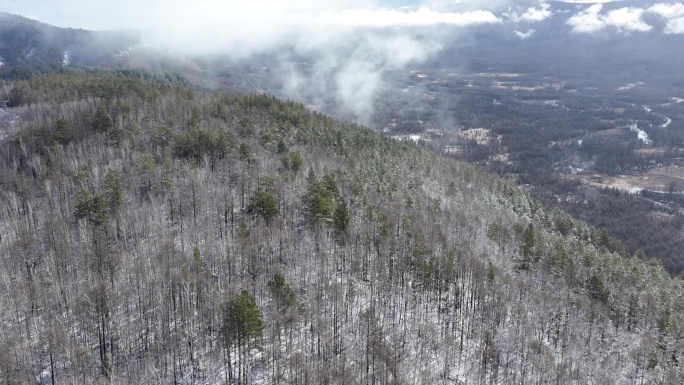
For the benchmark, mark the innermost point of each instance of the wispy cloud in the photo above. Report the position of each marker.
(403, 17)
(349, 45)
(524, 35)
(624, 20)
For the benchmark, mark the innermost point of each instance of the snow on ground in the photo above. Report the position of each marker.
(8, 123)
(66, 58)
(641, 134)
(415, 138)
(629, 86)
(668, 121)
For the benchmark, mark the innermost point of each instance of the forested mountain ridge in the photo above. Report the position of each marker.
(156, 234)
(31, 47)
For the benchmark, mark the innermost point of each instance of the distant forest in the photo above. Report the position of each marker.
(545, 144)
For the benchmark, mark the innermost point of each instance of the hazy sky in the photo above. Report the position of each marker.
(108, 14)
(205, 24)
(354, 41)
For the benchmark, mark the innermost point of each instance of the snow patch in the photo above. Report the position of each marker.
(414, 138)
(668, 121)
(629, 86)
(636, 190)
(641, 134)
(66, 58)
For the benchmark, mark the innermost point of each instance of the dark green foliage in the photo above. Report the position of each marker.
(115, 184)
(263, 202)
(633, 312)
(199, 263)
(102, 122)
(561, 263)
(341, 219)
(64, 132)
(664, 318)
(283, 295)
(320, 199)
(242, 322)
(494, 231)
(292, 162)
(94, 208)
(162, 135)
(214, 143)
(424, 262)
(243, 230)
(168, 171)
(563, 223)
(101, 84)
(529, 250)
(597, 290)
(245, 152)
(601, 239)
(491, 272)
(246, 128)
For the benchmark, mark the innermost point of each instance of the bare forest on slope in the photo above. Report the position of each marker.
(156, 234)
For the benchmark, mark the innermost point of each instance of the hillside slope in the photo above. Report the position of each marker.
(30, 47)
(156, 234)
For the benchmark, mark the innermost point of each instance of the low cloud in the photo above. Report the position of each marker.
(401, 18)
(587, 21)
(348, 45)
(673, 15)
(531, 15)
(349, 75)
(627, 20)
(624, 20)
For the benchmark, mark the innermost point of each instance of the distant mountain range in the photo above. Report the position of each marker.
(28, 46)
(552, 38)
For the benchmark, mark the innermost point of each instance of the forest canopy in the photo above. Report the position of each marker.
(156, 233)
